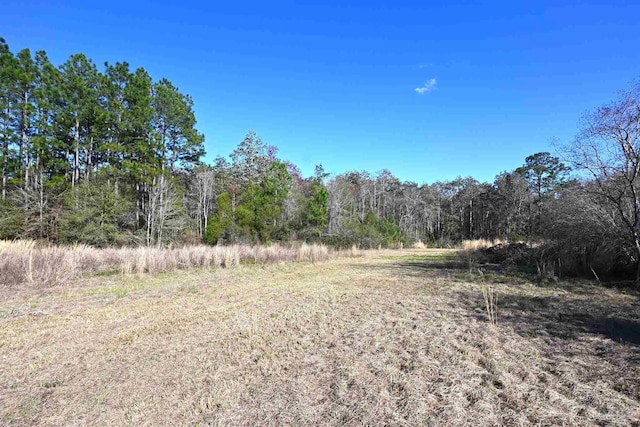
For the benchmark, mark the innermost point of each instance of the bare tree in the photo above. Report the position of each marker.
(608, 150)
(165, 214)
(202, 197)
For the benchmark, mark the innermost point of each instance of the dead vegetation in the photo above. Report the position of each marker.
(391, 338)
(476, 244)
(24, 262)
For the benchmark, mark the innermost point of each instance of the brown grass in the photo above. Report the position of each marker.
(481, 243)
(23, 262)
(383, 339)
(419, 245)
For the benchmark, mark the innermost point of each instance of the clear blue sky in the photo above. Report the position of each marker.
(336, 84)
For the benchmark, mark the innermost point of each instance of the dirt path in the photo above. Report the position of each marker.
(392, 338)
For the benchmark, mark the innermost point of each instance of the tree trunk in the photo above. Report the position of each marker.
(76, 157)
(5, 159)
(89, 160)
(41, 188)
(471, 219)
(24, 148)
(636, 238)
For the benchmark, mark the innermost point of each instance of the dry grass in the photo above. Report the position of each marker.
(481, 244)
(383, 339)
(491, 303)
(352, 252)
(22, 262)
(419, 245)
(17, 245)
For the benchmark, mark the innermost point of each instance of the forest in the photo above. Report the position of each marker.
(108, 156)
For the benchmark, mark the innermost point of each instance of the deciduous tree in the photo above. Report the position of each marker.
(608, 151)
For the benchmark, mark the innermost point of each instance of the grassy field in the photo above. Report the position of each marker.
(398, 338)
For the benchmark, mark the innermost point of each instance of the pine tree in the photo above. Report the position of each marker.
(8, 79)
(180, 145)
(82, 115)
(24, 113)
(317, 209)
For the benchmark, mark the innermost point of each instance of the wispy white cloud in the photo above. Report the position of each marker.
(429, 86)
(425, 65)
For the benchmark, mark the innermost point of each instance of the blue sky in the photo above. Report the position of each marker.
(336, 84)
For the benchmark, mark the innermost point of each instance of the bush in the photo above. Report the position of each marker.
(510, 254)
(96, 215)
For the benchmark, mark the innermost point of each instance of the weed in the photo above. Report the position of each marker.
(491, 303)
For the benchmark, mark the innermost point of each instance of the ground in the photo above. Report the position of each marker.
(398, 338)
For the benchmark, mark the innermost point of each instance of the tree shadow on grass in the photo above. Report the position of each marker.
(583, 330)
(497, 273)
(420, 268)
(572, 327)
(562, 311)
(570, 318)
(583, 334)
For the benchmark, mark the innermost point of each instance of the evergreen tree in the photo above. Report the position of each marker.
(82, 115)
(8, 81)
(317, 209)
(180, 144)
(24, 109)
(544, 173)
(96, 215)
(263, 203)
(220, 226)
(250, 160)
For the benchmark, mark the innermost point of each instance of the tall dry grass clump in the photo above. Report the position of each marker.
(281, 253)
(352, 252)
(229, 255)
(419, 245)
(17, 245)
(481, 243)
(312, 253)
(23, 262)
(491, 303)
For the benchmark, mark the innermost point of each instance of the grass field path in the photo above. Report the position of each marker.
(390, 338)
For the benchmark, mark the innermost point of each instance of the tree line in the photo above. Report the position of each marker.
(111, 157)
(86, 154)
